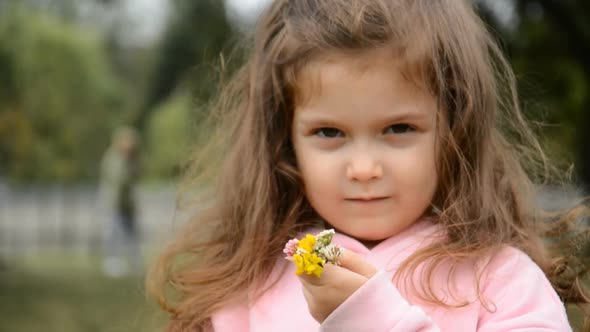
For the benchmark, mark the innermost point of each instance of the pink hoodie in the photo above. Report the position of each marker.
(516, 296)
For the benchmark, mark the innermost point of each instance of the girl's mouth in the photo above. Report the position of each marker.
(367, 199)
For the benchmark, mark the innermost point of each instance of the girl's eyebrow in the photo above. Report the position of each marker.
(318, 118)
(408, 115)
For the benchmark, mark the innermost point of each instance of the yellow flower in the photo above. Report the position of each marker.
(315, 265)
(307, 243)
(309, 263)
(298, 260)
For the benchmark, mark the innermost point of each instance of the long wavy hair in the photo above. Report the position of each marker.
(487, 154)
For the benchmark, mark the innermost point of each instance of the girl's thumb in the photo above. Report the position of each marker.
(357, 264)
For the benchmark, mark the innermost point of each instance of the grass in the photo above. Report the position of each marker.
(67, 293)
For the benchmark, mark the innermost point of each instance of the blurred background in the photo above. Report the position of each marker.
(101, 101)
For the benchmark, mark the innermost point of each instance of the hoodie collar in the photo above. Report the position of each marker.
(417, 235)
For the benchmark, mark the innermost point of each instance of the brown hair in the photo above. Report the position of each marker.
(488, 156)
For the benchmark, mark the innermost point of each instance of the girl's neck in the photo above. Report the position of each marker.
(370, 244)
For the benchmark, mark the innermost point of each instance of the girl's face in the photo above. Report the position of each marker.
(365, 146)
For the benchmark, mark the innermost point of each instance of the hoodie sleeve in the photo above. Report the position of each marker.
(378, 306)
(519, 297)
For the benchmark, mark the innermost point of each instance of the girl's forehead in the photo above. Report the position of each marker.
(309, 78)
(355, 60)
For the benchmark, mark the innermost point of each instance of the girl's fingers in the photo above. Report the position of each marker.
(308, 279)
(306, 294)
(330, 273)
(349, 262)
(356, 263)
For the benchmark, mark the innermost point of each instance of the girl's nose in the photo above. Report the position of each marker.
(364, 169)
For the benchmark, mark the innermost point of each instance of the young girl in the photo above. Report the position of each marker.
(397, 124)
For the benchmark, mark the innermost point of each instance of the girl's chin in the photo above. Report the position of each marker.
(368, 240)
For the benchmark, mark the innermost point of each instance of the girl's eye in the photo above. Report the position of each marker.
(401, 128)
(328, 132)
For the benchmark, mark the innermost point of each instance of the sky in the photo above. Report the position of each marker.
(504, 9)
(247, 8)
(144, 20)
(149, 16)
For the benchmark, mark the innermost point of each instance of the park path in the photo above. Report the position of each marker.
(40, 218)
(53, 217)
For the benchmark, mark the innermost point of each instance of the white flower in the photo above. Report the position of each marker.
(331, 253)
(326, 232)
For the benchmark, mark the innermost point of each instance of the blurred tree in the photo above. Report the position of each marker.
(168, 134)
(549, 46)
(195, 37)
(64, 9)
(58, 98)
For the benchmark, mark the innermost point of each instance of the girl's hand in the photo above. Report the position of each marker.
(337, 283)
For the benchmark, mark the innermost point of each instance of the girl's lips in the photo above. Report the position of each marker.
(367, 199)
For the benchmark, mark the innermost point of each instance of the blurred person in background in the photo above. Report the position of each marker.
(120, 170)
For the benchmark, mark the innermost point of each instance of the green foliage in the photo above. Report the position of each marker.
(168, 134)
(58, 98)
(553, 86)
(549, 46)
(189, 53)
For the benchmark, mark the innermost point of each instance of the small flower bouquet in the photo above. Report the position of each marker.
(311, 253)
